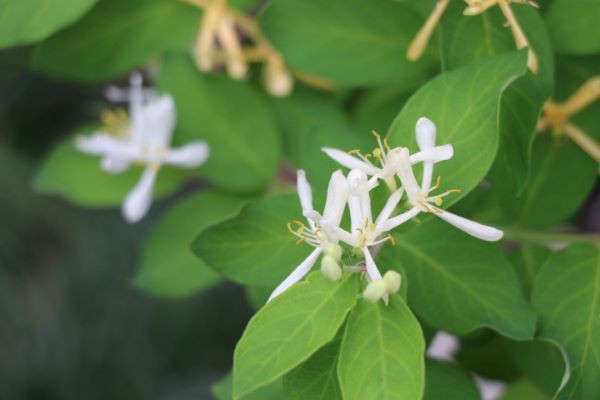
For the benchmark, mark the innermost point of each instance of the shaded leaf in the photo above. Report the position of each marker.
(573, 25)
(446, 381)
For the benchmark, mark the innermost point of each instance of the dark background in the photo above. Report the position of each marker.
(72, 326)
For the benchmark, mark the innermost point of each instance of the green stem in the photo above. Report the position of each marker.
(545, 237)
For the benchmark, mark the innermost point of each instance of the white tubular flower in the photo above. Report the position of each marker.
(419, 196)
(150, 148)
(387, 159)
(321, 231)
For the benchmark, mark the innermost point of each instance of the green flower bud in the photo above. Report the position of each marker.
(375, 291)
(392, 281)
(334, 250)
(330, 268)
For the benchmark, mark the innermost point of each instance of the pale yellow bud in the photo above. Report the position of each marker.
(330, 268)
(334, 250)
(392, 281)
(375, 291)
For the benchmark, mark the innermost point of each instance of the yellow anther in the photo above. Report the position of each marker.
(368, 155)
(438, 182)
(438, 201)
(372, 226)
(354, 151)
(453, 191)
(299, 241)
(387, 146)
(376, 134)
(392, 239)
(377, 153)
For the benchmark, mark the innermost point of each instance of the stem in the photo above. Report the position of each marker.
(520, 38)
(419, 43)
(549, 237)
(586, 143)
(584, 96)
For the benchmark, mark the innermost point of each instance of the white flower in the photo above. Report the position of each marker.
(321, 231)
(382, 162)
(419, 196)
(366, 232)
(150, 147)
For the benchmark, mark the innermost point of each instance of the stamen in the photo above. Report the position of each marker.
(354, 151)
(387, 146)
(392, 239)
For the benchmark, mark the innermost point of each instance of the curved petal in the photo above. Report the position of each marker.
(433, 154)
(104, 145)
(398, 220)
(137, 203)
(304, 191)
(191, 155)
(407, 177)
(297, 274)
(425, 133)
(159, 121)
(349, 161)
(389, 207)
(337, 197)
(373, 273)
(114, 165)
(473, 228)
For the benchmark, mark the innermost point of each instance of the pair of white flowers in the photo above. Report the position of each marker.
(323, 231)
(145, 139)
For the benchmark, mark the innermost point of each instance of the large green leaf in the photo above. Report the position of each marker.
(458, 283)
(310, 121)
(168, 266)
(467, 39)
(555, 164)
(255, 248)
(27, 21)
(573, 25)
(446, 381)
(523, 390)
(291, 328)
(79, 178)
(382, 353)
(464, 105)
(223, 390)
(567, 297)
(115, 37)
(316, 378)
(349, 42)
(527, 261)
(232, 117)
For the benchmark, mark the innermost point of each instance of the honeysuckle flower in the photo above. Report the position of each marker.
(419, 195)
(382, 162)
(219, 42)
(150, 148)
(367, 232)
(474, 7)
(556, 117)
(321, 231)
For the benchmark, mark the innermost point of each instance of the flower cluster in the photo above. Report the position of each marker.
(389, 165)
(143, 137)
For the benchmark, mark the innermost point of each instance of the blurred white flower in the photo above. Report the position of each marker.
(147, 144)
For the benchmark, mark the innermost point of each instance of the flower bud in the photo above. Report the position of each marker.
(330, 268)
(334, 250)
(375, 291)
(392, 281)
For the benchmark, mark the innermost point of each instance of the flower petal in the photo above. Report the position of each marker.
(372, 272)
(389, 207)
(104, 145)
(349, 161)
(190, 155)
(473, 228)
(398, 220)
(115, 165)
(433, 154)
(297, 274)
(337, 197)
(407, 177)
(304, 191)
(137, 203)
(425, 133)
(159, 121)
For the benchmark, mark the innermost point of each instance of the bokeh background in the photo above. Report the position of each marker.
(72, 325)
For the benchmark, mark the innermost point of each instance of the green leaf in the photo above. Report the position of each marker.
(310, 121)
(527, 261)
(232, 117)
(541, 362)
(255, 248)
(523, 390)
(467, 39)
(115, 37)
(377, 108)
(168, 266)
(27, 21)
(382, 353)
(223, 390)
(315, 378)
(567, 296)
(458, 283)
(289, 329)
(573, 25)
(446, 381)
(78, 178)
(555, 164)
(348, 42)
(485, 353)
(464, 105)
